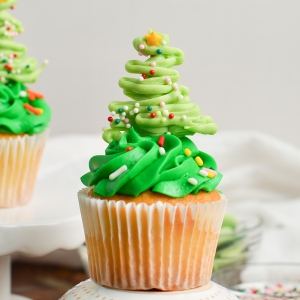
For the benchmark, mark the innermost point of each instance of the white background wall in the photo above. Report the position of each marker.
(242, 58)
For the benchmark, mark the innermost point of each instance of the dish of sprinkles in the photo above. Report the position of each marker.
(273, 291)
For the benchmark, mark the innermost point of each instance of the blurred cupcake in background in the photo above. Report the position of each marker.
(24, 115)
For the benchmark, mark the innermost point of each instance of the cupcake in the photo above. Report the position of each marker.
(24, 115)
(151, 212)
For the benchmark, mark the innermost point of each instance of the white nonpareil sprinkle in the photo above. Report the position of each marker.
(168, 132)
(137, 105)
(203, 173)
(163, 42)
(193, 181)
(117, 173)
(165, 112)
(122, 118)
(162, 151)
(180, 97)
(113, 113)
(141, 78)
(123, 113)
(128, 125)
(163, 120)
(125, 107)
(23, 93)
(158, 113)
(183, 117)
(131, 113)
(136, 110)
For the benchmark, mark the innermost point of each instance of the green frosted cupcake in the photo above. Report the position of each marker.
(24, 115)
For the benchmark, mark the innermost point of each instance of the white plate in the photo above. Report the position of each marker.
(52, 220)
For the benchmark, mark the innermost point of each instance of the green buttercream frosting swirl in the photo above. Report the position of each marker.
(21, 110)
(14, 118)
(147, 168)
(157, 92)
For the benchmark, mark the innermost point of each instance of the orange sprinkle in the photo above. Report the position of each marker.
(34, 110)
(32, 95)
(129, 148)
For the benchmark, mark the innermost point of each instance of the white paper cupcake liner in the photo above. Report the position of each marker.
(19, 159)
(142, 247)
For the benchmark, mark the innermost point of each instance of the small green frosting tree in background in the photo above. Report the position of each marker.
(158, 103)
(14, 66)
(21, 110)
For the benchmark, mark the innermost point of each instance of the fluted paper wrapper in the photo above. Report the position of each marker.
(19, 162)
(140, 247)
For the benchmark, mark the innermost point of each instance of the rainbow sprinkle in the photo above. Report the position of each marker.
(268, 291)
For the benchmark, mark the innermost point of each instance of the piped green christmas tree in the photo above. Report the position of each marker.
(158, 103)
(14, 66)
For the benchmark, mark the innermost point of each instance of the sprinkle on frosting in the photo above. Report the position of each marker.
(117, 173)
(199, 161)
(193, 181)
(161, 141)
(187, 152)
(162, 151)
(203, 173)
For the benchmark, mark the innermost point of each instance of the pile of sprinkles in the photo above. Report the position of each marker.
(282, 291)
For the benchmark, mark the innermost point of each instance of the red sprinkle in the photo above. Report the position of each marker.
(161, 141)
(8, 28)
(129, 148)
(171, 116)
(152, 115)
(12, 7)
(110, 119)
(152, 72)
(144, 76)
(8, 67)
(15, 55)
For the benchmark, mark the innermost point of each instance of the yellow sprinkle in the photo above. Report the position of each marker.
(163, 120)
(158, 113)
(211, 175)
(187, 152)
(41, 111)
(199, 161)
